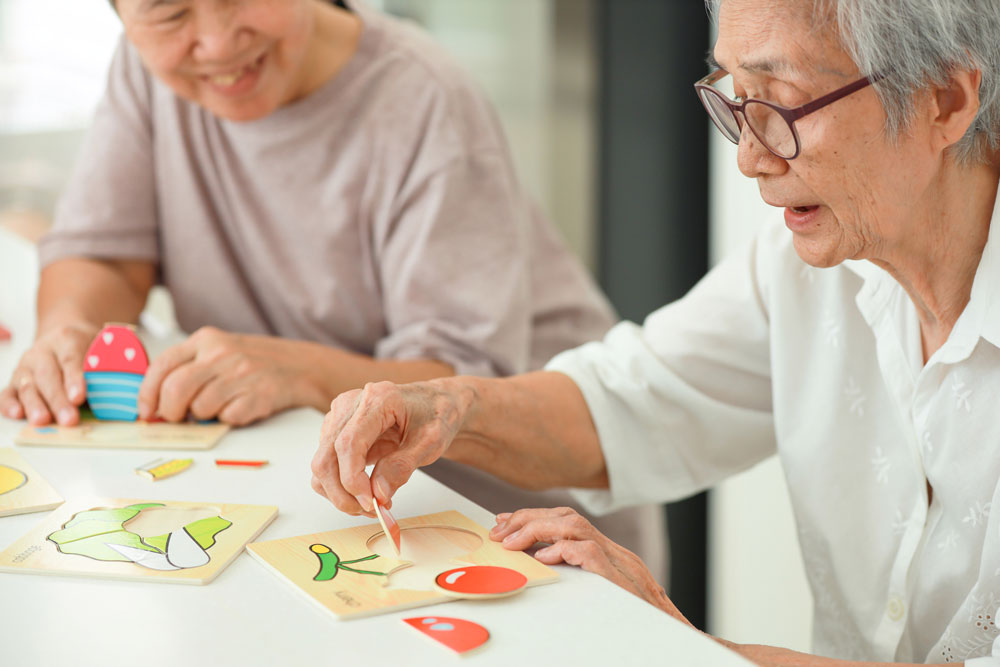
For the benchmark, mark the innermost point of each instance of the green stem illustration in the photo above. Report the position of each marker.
(330, 563)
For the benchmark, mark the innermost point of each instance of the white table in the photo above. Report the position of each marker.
(249, 617)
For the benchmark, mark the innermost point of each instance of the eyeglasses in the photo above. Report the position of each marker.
(772, 124)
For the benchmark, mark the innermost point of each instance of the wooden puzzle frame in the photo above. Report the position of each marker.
(338, 572)
(96, 434)
(90, 538)
(22, 489)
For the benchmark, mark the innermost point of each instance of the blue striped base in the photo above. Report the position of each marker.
(113, 396)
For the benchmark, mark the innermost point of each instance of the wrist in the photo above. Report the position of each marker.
(312, 371)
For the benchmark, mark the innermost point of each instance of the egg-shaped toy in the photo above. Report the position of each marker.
(113, 369)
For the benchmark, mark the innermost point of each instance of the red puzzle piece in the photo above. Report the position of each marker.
(116, 349)
(485, 580)
(457, 634)
(389, 525)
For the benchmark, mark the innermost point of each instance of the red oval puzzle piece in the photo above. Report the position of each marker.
(481, 580)
(457, 634)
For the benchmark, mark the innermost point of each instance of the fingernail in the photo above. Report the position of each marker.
(143, 411)
(367, 503)
(542, 552)
(65, 416)
(73, 392)
(499, 528)
(12, 412)
(503, 517)
(513, 536)
(382, 488)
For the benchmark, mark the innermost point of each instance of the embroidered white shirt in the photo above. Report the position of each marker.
(824, 367)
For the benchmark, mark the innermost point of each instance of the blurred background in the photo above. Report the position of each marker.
(607, 134)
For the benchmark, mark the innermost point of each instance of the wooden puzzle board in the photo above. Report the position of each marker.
(22, 489)
(108, 537)
(362, 582)
(124, 435)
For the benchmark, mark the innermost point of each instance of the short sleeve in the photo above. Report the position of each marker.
(684, 400)
(108, 210)
(455, 270)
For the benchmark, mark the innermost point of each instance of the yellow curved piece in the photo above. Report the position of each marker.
(10, 479)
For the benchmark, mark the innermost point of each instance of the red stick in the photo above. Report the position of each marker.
(237, 462)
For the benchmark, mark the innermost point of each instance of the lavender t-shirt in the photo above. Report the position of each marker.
(380, 214)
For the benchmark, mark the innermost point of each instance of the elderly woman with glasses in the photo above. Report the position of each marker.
(860, 341)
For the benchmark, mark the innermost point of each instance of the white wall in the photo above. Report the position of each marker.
(757, 586)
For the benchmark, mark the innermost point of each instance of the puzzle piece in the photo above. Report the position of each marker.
(457, 634)
(481, 581)
(114, 367)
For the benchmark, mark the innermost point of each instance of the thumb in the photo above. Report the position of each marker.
(390, 473)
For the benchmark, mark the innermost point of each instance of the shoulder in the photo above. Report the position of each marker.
(419, 85)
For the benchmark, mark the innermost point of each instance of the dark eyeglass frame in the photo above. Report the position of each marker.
(738, 110)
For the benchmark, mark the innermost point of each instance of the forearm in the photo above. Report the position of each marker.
(532, 430)
(91, 292)
(772, 656)
(329, 372)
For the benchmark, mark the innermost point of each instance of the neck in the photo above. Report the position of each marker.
(332, 44)
(936, 258)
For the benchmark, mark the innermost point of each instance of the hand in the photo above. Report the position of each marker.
(398, 428)
(235, 378)
(575, 541)
(48, 382)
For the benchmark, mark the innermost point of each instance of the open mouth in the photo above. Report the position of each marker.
(803, 209)
(232, 79)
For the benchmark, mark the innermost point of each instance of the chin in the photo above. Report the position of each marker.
(240, 113)
(816, 252)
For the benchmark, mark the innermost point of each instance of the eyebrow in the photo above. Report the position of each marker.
(765, 65)
(153, 4)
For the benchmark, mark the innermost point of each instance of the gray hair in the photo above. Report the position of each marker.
(916, 44)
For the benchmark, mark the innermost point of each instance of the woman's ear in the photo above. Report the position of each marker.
(954, 106)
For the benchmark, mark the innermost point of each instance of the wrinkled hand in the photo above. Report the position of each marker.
(575, 541)
(48, 382)
(398, 428)
(235, 378)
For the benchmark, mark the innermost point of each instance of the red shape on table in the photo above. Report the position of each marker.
(481, 580)
(116, 349)
(457, 634)
(389, 525)
(4, 333)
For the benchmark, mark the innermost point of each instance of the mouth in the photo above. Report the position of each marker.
(233, 81)
(804, 209)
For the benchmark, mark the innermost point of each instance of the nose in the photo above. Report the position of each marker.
(754, 160)
(220, 33)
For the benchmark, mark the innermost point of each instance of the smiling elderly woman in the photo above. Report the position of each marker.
(860, 342)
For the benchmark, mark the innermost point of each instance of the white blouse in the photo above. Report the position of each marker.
(824, 366)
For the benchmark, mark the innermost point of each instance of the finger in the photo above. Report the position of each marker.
(325, 465)
(585, 554)
(550, 529)
(158, 371)
(69, 354)
(374, 414)
(341, 499)
(48, 380)
(215, 397)
(34, 405)
(514, 521)
(10, 407)
(244, 409)
(179, 388)
(391, 472)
